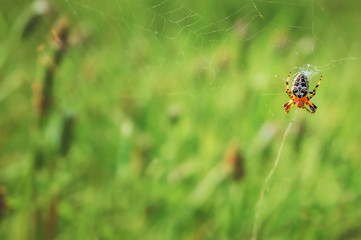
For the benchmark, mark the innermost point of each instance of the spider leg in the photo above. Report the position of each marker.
(313, 93)
(288, 88)
(308, 110)
(311, 105)
(288, 105)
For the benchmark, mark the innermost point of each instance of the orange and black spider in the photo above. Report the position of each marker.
(299, 92)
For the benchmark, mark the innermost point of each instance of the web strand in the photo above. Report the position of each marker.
(268, 179)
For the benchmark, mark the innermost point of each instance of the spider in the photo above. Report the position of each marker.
(299, 92)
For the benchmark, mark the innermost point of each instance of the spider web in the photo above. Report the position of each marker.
(185, 25)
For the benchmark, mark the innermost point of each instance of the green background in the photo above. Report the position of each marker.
(167, 117)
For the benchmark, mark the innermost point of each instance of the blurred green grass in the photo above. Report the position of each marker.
(157, 108)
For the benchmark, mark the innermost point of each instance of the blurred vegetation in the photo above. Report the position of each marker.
(143, 120)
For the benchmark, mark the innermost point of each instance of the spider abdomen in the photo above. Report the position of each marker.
(300, 86)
